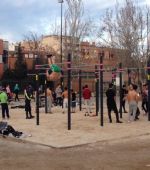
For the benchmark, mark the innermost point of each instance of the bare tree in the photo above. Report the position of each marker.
(33, 44)
(125, 28)
(32, 40)
(76, 26)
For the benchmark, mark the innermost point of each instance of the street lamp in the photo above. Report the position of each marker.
(61, 81)
(61, 2)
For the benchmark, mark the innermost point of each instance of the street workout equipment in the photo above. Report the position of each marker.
(99, 70)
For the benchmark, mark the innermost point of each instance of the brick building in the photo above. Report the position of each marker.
(87, 54)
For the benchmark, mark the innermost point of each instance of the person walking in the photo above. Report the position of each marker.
(28, 95)
(4, 103)
(16, 91)
(132, 98)
(87, 99)
(65, 99)
(49, 100)
(111, 103)
(8, 91)
(123, 95)
(145, 99)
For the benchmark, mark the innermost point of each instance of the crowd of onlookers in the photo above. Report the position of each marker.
(59, 97)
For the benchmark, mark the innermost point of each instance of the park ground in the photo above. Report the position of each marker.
(87, 146)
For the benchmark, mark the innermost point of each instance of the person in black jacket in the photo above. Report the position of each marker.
(28, 96)
(111, 103)
(124, 92)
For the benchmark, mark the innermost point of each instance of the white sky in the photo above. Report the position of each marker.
(18, 17)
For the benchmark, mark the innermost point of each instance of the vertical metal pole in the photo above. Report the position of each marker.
(96, 90)
(129, 76)
(69, 91)
(148, 82)
(46, 96)
(101, 89)
(112, 75)
(120, 89)
(37, 99)
(61, 44)
(80, 91)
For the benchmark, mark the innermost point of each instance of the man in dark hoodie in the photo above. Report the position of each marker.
(111, 103)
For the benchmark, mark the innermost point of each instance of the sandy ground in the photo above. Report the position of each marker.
(87, 146)
(52, 130)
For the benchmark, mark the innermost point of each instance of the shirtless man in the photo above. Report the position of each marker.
(65, 99)
(54, 73)
(132, 98)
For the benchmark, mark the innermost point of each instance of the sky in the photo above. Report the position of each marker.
(19, 17)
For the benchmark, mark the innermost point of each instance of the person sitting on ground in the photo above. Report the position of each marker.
(54, 73)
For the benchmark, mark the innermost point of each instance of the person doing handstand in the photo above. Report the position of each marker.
(54, 73)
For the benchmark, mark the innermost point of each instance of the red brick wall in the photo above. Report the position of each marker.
(11, 62)
(29, 62)
(1, 47)
(1, 70)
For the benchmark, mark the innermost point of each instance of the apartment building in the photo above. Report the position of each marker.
(85, 53)
(3, 56)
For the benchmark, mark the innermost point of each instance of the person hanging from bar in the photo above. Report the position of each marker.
(54, 72)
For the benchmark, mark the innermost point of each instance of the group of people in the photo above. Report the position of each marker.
(5, 97)
(131, 95)
(60, 97)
